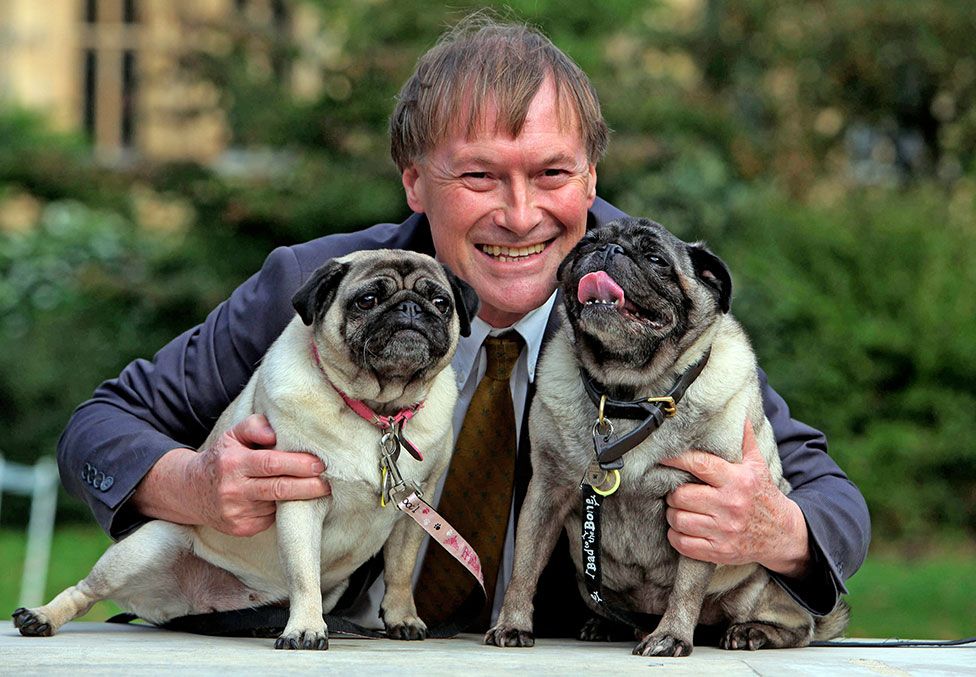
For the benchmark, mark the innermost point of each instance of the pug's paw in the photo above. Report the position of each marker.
(506, 635)
(410, 628)
(32, 623)
(749, 636)
(303, 639)
(663, 645)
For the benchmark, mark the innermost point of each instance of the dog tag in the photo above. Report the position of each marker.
(604, 482)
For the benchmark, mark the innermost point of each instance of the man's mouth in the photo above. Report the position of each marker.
(507, 254)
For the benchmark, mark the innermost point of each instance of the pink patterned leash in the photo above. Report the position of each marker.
(406, 497)
(408, 500)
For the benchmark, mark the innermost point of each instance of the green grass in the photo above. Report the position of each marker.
(73, 553)
(926, 596)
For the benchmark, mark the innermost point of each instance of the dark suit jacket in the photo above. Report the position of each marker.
(113, 439)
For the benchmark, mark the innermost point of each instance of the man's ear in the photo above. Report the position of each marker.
(714, 273)
(591, 193)
(465, 300)
(413, 188)
(319, 291)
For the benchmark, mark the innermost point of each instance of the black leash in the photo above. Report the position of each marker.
(893, 643)
(602, 477)
(592, 571)
(269, 622)
(264, 621)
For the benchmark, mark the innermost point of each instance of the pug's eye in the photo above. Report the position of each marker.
(657, 260)
(442, 305)
(366, 301)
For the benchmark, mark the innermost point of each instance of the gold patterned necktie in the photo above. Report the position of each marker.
(477, 493)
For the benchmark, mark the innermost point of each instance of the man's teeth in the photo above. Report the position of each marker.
(511, 253)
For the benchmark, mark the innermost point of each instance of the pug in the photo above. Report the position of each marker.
(378, 327)
(643, 311)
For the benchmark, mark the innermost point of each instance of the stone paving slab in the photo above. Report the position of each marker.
(102, 649)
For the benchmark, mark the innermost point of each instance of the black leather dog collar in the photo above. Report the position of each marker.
(653, 411)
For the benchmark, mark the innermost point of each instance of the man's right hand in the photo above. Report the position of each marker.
(233, 484)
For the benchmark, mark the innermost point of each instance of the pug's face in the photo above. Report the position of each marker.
(385, 320)
(634, 293)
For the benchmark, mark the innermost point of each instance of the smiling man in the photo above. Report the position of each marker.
(497, 135)
(509, 204)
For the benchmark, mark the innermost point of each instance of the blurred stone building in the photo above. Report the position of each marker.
(115, 70)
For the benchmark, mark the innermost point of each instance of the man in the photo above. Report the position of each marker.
(497, 135)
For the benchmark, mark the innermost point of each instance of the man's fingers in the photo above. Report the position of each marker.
(288, 488)
(254, 432)
(691, 546)
(273, 463)
(691, 523)
(691, 497)
(709, 468)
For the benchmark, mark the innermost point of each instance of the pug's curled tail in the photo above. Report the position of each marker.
(833, 624)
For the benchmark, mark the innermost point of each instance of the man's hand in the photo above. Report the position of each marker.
(738, 515)
(233, 484)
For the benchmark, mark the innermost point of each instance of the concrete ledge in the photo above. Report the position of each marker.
(100, 648)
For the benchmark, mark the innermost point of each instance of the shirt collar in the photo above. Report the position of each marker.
(531, 328)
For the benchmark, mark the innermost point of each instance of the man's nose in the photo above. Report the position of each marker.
(520, 214)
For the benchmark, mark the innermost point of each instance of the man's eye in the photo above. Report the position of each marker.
(553, 177)
(442, 305)
(475, 175)
(366, 301)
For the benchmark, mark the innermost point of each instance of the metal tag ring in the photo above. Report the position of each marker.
(602, 425)
(613, 486)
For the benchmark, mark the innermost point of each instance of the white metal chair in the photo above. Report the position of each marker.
(40, 482)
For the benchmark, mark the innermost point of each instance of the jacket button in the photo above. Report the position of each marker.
(107, 483)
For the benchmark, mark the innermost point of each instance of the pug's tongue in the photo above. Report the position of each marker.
(599, 286)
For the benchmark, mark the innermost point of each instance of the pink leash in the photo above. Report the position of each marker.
(408, 498)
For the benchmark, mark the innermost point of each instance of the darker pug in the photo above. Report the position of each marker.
(641, 310)
(379, 327)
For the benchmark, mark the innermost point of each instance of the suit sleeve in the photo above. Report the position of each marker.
(836, 514)
(173, 400)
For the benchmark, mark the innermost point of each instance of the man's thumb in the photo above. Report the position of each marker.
(750, 446)
(255, 432)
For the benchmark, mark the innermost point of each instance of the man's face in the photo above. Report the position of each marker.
(505, 211)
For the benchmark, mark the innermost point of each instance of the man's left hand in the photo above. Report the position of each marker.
(738, 515)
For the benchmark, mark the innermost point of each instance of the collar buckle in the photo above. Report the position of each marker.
(670, 407)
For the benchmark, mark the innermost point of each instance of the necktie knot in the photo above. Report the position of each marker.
(502, 353)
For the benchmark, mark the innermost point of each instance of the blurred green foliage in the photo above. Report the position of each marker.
(824, 149)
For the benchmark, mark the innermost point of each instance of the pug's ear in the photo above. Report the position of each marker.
(465, 300)
(319, 291)
(714, 273)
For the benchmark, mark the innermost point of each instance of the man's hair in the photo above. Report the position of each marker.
(482, 62)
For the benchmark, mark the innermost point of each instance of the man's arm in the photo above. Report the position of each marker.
(811, 540)
(145, 423)
(233, 484)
